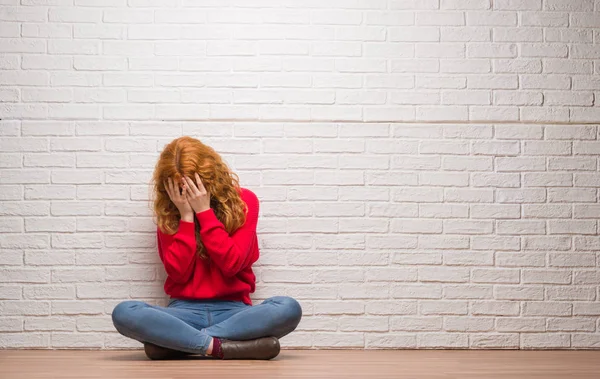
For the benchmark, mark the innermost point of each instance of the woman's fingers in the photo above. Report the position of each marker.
(199, 182)
(192, 187)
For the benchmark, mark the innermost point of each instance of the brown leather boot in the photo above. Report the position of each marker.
(262, 348)
(155, 352)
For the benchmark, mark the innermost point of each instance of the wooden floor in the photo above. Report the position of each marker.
(77, 364)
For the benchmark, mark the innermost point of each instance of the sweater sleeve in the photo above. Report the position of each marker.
(178, 251)
(229, 253)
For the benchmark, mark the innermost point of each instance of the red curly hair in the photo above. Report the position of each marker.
(185, 156)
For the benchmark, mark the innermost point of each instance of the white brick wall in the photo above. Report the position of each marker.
(419, 185)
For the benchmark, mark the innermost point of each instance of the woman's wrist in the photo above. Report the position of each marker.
(188, 217)
(203, 210)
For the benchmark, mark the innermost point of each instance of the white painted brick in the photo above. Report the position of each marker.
(25, 340)
(470, 66)
(389, 81)
(546, 277)
(571, 227)
(555, 179)
(518, 98)
(444, 242)
(457, 179)
(438, 340)
(494, 341)
(466, 98)
(567, 66)
(468, 259)
(495, 243)
(550, 19)
(585, 309)
(460, 195)
(8, 61)
(564, 195)
(415, 98)
(553, 340)
(444, 308)
(444, 274)
(518, 66)
(572, 260)
(415, 66)
(29, 45)
(585, 20)
(572, 164)
(586, 243)
(467, 227)
(520, 164)
(468, 292)
(585, 211)
(9, 95)
(505, 276)
(444, 210)
(495, 211)
(390, 340)
(11, 324)
(514, 292)
(442, 113)
(436, 18)
(437, 82)
(492, 50)
(414, 34)
(517, 34)
(335, 340)
(546, 308)
(415, 258)
(547, 211)
(586, 277)
(387, 50)
(578, 5)
(518, 4)
(487, 18)
(389, 113)
(522, 132)
(545, 81)
(571, 293)
(465, 34)
(568, 35)
(544, 50)
(521, 227)
(410, 324)
(489, 113)
(571, 325)
(518, 324)
(465, 4)
(546, 243)
(10, 29)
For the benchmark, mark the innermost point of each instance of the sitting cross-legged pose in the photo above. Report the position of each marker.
(207, 242)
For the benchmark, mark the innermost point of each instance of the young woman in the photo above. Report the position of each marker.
(206, 234)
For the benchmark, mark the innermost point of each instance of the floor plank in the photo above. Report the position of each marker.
(434, 364)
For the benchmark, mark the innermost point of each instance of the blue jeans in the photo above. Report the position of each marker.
(189, 325)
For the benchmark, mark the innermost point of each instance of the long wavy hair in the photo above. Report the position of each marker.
(185, 156)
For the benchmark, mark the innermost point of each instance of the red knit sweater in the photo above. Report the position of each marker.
(227, 273)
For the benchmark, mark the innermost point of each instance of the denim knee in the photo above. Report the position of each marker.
(122, 314)
(291, 310)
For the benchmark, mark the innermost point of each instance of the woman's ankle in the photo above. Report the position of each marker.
(210, 347)
(215, 348)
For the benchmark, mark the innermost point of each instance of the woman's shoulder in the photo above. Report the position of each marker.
(248, 194)
(249, 197)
